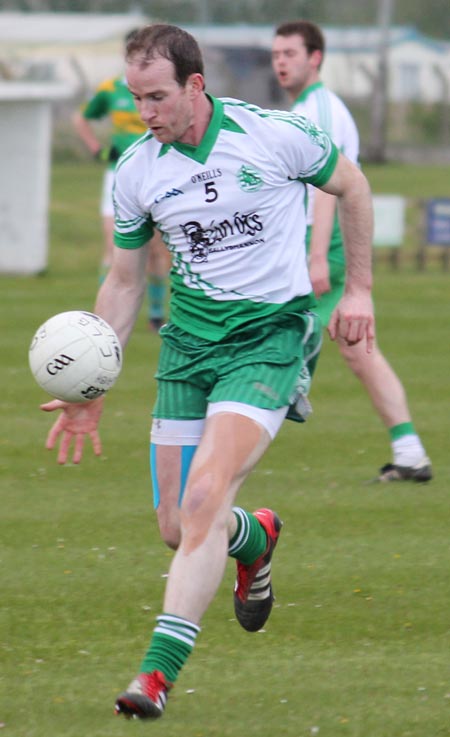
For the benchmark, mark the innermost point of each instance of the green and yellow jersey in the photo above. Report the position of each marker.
(113, 99)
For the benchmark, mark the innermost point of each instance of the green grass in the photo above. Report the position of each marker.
(358, 642)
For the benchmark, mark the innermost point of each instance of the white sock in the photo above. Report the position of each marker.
(408, 450)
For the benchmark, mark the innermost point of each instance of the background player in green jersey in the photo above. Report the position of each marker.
(297, 55)
(113, 100)
(226, 183)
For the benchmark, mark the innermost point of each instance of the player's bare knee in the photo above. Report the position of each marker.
(196, 496)
(171, 537)
(201, 510)
(169, 529)
(354, 358)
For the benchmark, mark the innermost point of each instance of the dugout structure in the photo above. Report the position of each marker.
(25, 155)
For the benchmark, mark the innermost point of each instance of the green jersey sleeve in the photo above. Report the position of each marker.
(98, 106)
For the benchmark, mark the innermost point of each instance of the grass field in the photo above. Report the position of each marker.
(358, 643)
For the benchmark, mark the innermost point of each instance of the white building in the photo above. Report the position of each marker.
(418, 67)
(81, 50)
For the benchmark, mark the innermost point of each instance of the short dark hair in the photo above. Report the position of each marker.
(171, 43)
(311, 34)
(130, 34)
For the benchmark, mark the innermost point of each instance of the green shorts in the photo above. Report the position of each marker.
(257, 366)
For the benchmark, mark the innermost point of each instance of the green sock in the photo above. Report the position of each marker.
(404, 428)
(156, 291)
(250, 539)
(172, 642)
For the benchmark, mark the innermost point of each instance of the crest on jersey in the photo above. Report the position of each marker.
(316, 135)
(250, 179)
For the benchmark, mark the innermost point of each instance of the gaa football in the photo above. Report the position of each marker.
(75, 356)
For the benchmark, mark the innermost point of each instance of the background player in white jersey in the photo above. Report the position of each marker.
(297, 54)
(225, 184)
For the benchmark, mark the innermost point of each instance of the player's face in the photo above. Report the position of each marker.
(164, 106)
(294, 67)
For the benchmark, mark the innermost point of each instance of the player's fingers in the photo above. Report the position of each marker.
(78, 449)
(332, 326)
(64, 447)
(51, 406)
(359, 330)
(53, 434)
(96, 442)
(353, 331)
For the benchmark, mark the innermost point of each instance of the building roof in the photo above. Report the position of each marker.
(349, 39)
(65, 28)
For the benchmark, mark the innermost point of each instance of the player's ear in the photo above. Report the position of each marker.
(316, 58)
(196, 83)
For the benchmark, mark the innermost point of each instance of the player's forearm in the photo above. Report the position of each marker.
(323, 219)
(85, 132)
(119, 302)
(356, 219)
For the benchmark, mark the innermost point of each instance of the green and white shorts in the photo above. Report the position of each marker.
(254, 372)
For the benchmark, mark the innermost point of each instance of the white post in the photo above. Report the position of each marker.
(25, 157)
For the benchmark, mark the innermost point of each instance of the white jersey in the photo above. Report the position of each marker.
(230, 211)
(329, 112)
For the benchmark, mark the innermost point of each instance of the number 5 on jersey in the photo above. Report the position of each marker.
(211, 192)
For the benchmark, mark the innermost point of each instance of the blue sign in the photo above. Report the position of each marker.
(438, 222)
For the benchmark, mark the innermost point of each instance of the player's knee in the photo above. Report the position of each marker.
(202, 507)
(169, 529)
(354, 358)
(171, 537)
(195, 497)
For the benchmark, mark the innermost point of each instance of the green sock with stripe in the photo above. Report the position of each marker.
(399, 431)
(172, 642)
(407, 449)
(250, 538)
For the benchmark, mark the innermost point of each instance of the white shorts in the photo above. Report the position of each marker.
(106, 203)
(189, 432)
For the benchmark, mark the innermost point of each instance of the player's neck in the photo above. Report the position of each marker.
(202, 117)
(295, 92)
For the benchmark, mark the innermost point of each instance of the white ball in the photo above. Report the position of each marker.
(75, 356)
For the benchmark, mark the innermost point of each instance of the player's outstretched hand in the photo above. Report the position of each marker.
(353, 320)
(74, 422)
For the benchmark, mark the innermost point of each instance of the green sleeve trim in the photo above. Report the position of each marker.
(136, 238)
(325, 174)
